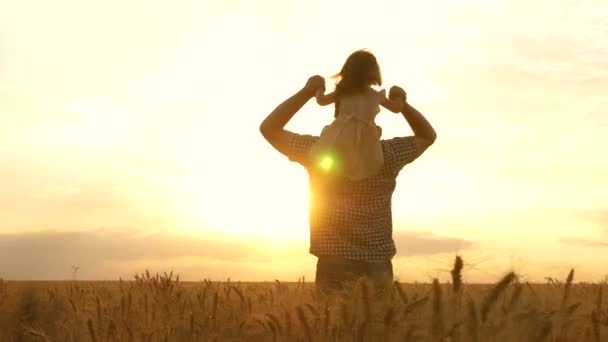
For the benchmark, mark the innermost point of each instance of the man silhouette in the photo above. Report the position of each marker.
(350, 221)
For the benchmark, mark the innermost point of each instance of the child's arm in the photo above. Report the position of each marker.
(325, 99)
(394, 106)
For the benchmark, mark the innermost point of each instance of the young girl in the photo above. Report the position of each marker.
(351, 143)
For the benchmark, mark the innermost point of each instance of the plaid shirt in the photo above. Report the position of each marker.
(352, 219)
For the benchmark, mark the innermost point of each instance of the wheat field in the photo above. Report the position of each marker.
(161, 308)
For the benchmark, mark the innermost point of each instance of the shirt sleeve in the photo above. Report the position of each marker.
(298, 148)
(399, 152)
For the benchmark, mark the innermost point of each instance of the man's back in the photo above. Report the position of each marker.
(352, 219)
(350, 223)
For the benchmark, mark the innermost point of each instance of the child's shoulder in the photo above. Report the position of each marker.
(377, 94)
(369, 93)
(372, 92)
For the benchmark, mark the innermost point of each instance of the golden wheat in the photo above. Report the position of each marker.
(161, 307)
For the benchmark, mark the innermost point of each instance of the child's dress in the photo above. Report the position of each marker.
(352, 140)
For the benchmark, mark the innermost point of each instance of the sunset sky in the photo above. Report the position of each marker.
(129, 134)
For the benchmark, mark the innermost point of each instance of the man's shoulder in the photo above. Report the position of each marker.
(398, 152)
(301, 141)
(395, 142)
(299, 147)
(398, 141)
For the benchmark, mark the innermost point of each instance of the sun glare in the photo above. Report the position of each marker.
(272, 214)
(327, 163)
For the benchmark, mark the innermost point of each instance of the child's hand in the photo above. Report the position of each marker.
(315, 83)
(396, 93)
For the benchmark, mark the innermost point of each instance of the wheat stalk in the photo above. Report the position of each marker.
(276, 322)
(437, 318)
(389, 318)
(600, 295)
(400, 291)
(91, 330)
(595, 327)
(473, 321)
(366, 301)
(304, 323)
(327, 320)
(567, 287)
(36, 333)
(496, 291)
(457, 275)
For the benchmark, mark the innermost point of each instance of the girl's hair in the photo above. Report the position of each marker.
(360, 71)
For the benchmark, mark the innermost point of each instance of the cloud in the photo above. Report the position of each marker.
(50, 255)
(110, 253)
(424, 243)
(583, 242)
(598, 216)
(125, 244)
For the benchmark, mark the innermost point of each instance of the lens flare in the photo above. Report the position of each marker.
(327, 163)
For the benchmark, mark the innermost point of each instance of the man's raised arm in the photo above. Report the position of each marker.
(273, 127)
(424, 133)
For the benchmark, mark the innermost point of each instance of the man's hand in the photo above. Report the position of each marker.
(273, 127)
(315, 83)
(397, 93)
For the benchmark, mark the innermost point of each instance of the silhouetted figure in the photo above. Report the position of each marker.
(353, 135)
(350, 214)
